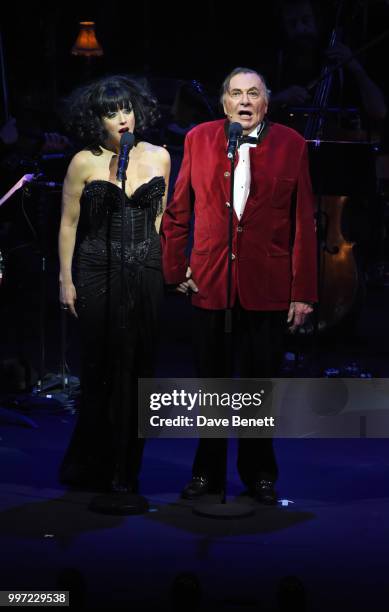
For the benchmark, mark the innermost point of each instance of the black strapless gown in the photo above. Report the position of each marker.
(93, 456)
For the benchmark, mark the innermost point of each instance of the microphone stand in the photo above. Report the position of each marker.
(119, 501)
(226, 509)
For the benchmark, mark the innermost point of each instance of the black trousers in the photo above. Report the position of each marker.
(253, 350)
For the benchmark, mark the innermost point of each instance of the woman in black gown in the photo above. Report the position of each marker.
(98, 115)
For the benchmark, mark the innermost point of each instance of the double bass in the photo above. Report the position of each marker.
(338, 272)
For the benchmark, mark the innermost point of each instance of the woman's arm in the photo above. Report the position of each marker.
(164, 158)
(76, 177)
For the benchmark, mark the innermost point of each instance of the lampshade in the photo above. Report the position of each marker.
(87, 43)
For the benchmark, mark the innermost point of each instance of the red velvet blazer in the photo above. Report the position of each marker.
(274, 243)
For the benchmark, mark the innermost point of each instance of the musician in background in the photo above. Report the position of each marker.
(190, 107)
(23, 146)
(305, 31)
(41, 142)
(30, 145)
(32, 137)
(188, 110)
(313, 36)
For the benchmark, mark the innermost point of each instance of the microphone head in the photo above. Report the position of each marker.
(235, 130)
(127, 139)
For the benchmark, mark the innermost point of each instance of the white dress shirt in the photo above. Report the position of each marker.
(242, 176)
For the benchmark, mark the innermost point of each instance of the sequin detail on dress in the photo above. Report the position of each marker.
(107, 345)
(100, 251)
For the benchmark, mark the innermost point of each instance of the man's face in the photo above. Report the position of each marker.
(300, 25)
(245, 101)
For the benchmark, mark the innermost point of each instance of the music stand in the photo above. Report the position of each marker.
(59, 388)
(51, 390)
(342, 167)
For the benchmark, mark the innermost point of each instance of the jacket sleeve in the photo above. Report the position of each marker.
(304, 255)
(176, 223)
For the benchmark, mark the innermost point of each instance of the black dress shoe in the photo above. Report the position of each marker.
(198, 486)
(264, 492)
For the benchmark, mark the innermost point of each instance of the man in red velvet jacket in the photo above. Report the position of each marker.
(273, 259)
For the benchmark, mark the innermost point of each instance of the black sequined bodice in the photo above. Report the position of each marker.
(102, 201)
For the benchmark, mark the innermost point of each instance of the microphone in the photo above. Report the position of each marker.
(234, 132)
(126, 143)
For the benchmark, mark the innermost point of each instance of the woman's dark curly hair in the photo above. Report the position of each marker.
(88, 104)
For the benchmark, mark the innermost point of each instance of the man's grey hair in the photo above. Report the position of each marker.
(240, 70)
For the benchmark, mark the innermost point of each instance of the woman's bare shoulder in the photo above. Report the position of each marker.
(83, 163)
(159, 152)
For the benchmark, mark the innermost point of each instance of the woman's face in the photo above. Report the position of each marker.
(115, 124)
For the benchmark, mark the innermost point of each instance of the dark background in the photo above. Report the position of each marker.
(333, 536)
(202, 40)
(164, 42)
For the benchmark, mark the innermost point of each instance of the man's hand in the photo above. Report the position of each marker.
(189, 285)
(341, 54)
(298, 312)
